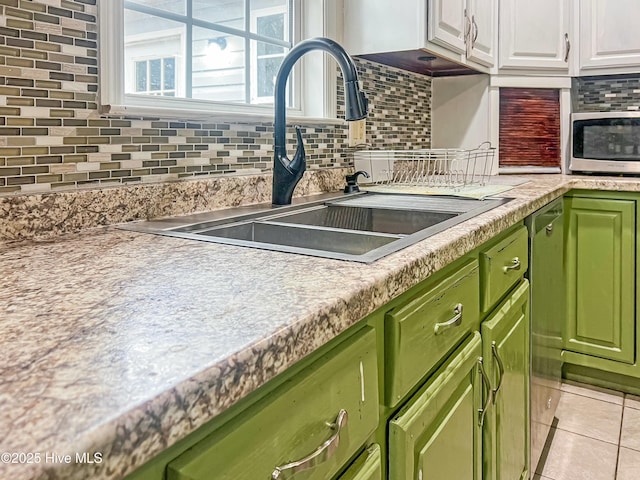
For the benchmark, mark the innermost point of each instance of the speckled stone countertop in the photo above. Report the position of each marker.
(123, 343)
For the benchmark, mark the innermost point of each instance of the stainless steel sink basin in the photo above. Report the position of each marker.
(331, 240)
(362, 227)
(399, 222)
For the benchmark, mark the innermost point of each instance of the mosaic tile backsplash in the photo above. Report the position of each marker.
(52, 136)
(613, 93)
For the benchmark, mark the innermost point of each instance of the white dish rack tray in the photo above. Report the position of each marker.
(428, 168)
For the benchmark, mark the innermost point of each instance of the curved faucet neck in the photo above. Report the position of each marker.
(349, 74)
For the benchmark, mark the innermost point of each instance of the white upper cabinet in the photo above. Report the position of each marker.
(463, 31)
(609, 36)
(448, 24)
(481, 44)
(534, 35)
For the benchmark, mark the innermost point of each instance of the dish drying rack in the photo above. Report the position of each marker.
(444, 167)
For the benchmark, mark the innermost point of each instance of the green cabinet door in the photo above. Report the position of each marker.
(505, 348)
(600, 266)
(437, 435)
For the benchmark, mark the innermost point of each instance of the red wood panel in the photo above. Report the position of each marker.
(529, 127)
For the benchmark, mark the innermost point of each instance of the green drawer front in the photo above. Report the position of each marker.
(292, 422)
(413, 347)
(367, 466)
(502, 266)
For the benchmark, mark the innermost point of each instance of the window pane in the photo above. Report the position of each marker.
(141, 76)
(175, 6)
(267, 71)
(229, 13)
(169, 73)
(218, 66)
(223, 66)
(271, 26)
(264, 69)
(155, 74)
(269, 18)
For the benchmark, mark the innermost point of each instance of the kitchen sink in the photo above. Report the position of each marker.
(358, 227)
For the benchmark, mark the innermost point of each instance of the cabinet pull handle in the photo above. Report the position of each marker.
(456, 321)
(486, 392)
(494, 352)
(474, 29)
(549, 229)
(515, 265)
(324, 451)
(567, 47)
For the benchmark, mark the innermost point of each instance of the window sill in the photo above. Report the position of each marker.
(208, 116)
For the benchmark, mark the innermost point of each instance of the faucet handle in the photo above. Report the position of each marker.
(298, 163)
(352, 181)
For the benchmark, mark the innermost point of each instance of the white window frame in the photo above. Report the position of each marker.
(317, 74)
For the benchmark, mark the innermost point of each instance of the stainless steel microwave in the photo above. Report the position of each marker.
(605, 142)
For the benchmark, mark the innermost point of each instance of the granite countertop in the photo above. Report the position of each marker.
(122, 343)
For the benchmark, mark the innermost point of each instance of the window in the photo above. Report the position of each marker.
(156, 76)
(210, 56)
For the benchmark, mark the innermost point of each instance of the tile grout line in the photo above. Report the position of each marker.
(624, 401)
(593, 438)
(592, 398)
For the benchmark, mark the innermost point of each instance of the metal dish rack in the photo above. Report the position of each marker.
(427, 167)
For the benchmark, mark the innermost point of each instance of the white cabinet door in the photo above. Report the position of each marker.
(534, 35)
(609, 34)
(447, 24)
(482, 38)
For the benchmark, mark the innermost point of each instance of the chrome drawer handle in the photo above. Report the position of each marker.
(323, 452)
(486, 394)
(515, 265)
(456, 321)
(494, 351)
(549, 229)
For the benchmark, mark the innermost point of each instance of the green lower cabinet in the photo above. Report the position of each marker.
(309, 428)
(437, 434)
(505, 348)
(600, 267)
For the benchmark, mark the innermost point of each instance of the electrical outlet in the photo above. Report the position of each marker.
(357, 132)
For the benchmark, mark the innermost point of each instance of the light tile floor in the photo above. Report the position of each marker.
(597, 436)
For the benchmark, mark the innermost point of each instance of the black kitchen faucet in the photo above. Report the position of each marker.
(287, 173)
